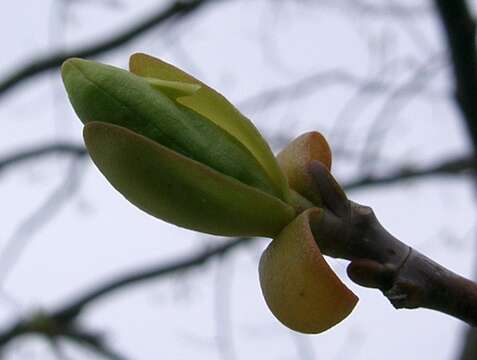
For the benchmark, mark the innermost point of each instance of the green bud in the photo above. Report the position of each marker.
(180, 151)
(177, 149)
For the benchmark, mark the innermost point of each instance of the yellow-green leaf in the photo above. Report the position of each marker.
(299, 287)
(179, 190)
(173, 89)
(216, 108)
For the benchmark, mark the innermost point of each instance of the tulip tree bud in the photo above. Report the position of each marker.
(231, 163)
(181, 152)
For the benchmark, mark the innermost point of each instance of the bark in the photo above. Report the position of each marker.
(406, 277)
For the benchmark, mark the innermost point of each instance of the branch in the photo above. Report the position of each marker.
(177, 9)
(469, 346)
(460, 34)
(334, 77)
(396, 102)
(460, 30)
(65, 317)
(36, 152)
(450, 167)
(60, 322)
(383, 11)
(152, 272)
(43, 325)
(407, 278)
(306, 86)
(41, 216)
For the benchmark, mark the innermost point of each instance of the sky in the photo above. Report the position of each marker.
(241, 48)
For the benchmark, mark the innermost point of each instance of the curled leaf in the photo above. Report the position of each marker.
(295, 159)
(299, 287)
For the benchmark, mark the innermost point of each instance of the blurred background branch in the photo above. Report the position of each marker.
(41, 151)
(460, 31)
(173, 12)
(63, 322)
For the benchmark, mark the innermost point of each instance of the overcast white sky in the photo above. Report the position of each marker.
(241, 48)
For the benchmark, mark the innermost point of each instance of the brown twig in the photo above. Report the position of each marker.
(378, 260)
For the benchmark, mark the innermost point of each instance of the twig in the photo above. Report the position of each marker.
(393, 91)
(407, 278)
(72, 309)
(469, 345)
(369, 8)
(93, 341)
(39, 151)
(41, 64)
(14, 247)
(396, 102)
(450, 167)
(460, 34)
(60, 323)
(459, 31)
(334, 77)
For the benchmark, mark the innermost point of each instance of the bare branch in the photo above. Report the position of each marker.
(334, 77)
(71, 310)
(302, 87)
(53, 330)
(93, 341)
(450, 167)
(152, 272)
(175, 10)
(396, 102)
(40, 151)
(50, 207)
(378, 260)
(469, 346)
(460, 33)
(370, 8)
(40, 217)
(389, 9)
(59, 323)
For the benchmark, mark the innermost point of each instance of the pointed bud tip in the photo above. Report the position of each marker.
(72, 65)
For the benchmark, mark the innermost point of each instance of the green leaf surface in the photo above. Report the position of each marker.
(218, 109)
(105, 93)
(179, 190)
(173, 89)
